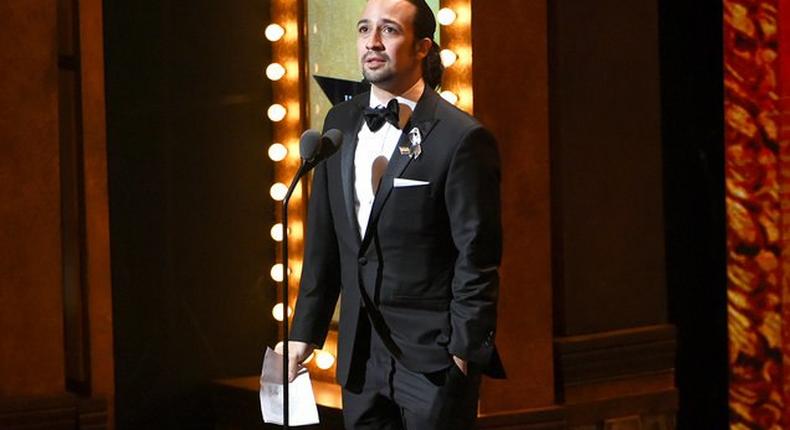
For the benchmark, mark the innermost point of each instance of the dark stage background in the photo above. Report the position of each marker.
(692, 92)
(189, 207)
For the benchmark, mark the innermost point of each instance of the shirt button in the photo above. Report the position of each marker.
(363, 261)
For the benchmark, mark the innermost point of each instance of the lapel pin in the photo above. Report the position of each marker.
(415, 138)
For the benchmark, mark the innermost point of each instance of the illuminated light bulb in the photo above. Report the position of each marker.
(446, 16)
(324, 360)
(278, 152)
(448, 57)
(275, 71)
(278, 191)
(277, 313)
(274, 32)
(277, 232)
(277, 112)
(277, 272)
(449, 96)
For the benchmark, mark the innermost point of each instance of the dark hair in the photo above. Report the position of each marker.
(425, 27)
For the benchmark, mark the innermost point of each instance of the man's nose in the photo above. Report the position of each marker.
(374, 42)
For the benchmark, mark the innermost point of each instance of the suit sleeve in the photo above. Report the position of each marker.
(472, 195)
(320, 281)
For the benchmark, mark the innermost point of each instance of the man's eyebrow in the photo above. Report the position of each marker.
(384, 20)
(393, 22)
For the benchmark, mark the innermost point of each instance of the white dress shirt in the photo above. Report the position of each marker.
(370, 147)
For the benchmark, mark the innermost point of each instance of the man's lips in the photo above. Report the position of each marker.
(373, 61)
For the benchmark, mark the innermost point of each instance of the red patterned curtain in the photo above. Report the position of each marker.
(784, 148)
(756, 200)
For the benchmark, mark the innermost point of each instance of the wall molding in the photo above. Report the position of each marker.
(644, 353)
(65, 412)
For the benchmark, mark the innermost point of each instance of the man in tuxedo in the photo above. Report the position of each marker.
(404, 221)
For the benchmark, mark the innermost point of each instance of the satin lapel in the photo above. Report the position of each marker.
(347, 151)
(422, 118)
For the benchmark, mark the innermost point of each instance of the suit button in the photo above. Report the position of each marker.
(363, 261)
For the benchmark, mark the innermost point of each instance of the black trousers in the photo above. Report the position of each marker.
(385, 395)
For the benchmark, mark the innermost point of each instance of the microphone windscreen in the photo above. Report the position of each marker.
(330, 142)
(308, 144)
(335, 136)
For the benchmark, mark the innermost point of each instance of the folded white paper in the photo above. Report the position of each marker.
(403, 182)
(302, 409)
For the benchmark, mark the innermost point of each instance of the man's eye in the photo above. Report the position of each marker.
(390, 30)
(362, 29)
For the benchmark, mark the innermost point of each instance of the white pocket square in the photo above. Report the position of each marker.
(403, 182)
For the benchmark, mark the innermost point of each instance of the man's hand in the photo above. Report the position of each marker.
(462, 364)
(297, 353)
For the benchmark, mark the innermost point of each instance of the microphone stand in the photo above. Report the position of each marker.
(312, 149)
(302, 170)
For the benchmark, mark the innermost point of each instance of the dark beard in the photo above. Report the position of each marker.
(377, 78)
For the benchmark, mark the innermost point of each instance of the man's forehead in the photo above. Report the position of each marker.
(396, 11)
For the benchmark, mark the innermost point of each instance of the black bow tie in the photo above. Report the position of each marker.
(376, 117)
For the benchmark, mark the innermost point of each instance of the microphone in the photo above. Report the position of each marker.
(308, 144)
(313, 148)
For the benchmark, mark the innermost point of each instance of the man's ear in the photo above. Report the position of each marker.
(424, 47)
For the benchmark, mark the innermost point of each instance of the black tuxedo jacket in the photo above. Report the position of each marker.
(430, 254)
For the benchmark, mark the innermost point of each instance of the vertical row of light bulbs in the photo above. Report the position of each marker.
(446, 17)
(280, 154)
(277, 152)
(455, 19)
